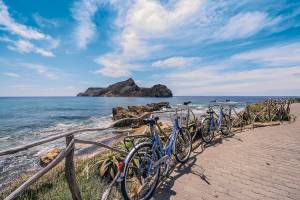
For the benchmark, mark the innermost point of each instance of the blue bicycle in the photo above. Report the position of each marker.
(144, 163)
(214, 122)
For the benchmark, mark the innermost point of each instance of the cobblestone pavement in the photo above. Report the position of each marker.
(263, 163)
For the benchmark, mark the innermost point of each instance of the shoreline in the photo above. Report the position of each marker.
(88, 151)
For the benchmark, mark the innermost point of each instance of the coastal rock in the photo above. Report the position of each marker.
(159, 106)
(49, 156)
(128, 88)
(134, 112)
(120, 113)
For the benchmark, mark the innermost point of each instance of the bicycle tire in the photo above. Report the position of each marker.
(128, 159)
(183, 135)
(206, 134)
(226, 125)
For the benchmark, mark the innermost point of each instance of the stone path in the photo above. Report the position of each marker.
(263, 163)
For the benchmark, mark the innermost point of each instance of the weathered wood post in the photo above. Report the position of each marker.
(70, 171)
(248, 114)
(288, 109)
(269, 110)
(281, 111)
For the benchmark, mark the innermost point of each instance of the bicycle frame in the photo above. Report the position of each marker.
(164, 153)
(213, 125)
(156, 141)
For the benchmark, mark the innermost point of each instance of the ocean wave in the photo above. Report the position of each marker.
(66, 109)
(4, 138)
(72, 117)
(24, 161)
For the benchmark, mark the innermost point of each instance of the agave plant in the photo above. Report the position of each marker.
(108, 164)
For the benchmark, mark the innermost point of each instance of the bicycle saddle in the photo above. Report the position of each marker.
(150, 121)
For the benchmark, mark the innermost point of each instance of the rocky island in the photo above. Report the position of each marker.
(127, 88)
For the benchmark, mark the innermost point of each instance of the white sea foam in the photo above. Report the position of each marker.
(4, 138)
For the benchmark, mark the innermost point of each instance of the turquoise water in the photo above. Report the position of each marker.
(24, 119)
(27, 119)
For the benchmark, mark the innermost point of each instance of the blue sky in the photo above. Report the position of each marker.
(195, 47)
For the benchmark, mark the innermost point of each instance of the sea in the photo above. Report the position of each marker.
(28, 119)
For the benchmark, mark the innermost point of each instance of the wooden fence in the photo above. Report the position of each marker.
(67, 154)
(268, 111)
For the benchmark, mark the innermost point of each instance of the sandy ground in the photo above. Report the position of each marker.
(263, 163)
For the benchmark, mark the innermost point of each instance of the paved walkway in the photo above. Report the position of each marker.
(259, 164)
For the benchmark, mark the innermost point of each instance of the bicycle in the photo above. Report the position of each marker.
(143, 164)
(215, 122)
(190, 121)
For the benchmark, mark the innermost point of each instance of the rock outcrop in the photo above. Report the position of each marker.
(134, 112)
(128, 88)
(49, 156)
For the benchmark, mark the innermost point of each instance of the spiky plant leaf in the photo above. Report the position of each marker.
(112, 171)
(105, 167)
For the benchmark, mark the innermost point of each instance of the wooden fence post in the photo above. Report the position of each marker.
(248, 115)
(70, 171)
(269, 110)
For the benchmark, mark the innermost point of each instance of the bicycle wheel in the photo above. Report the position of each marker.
(206, 133)
(140, 176)
(192, 126)
(226, 125)
(194, 132)
(183, 145)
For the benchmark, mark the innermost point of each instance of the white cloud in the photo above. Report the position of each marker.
(83, 12)
(140, 22)
(287, 54)
(176, 62)
(114, 66)
(211, 81)
(108, 71)
(244, 25)
(274, 70)
(44, 52)
(151, 17)
(40, 69)
(13, 75)
(146, 20)
(24, 46)
(26, 33)
(44, 22)
(13, 27)
(151, 28)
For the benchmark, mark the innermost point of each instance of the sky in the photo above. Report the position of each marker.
(195, 47)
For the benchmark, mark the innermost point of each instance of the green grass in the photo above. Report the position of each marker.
(54, 185)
